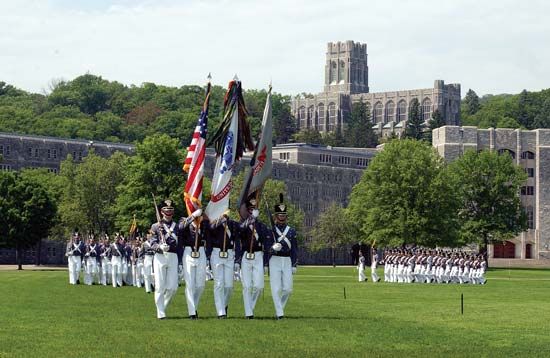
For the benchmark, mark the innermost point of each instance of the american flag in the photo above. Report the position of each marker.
(194, 162)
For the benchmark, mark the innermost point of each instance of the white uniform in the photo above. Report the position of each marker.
(92, 267)
(361, 269)
(74, 256)
(194, 270)
(373, 267)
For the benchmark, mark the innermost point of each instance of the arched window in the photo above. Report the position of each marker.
(401, 111)
(378, 112)
(507, 151)
(321, 116)
(527, 155)
(332, 117)
(310, 116)
(342, 71)
(302, 116)
(426, 109)
(333, 72)
(389, 112)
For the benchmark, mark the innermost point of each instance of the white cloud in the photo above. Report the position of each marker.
(490, 46)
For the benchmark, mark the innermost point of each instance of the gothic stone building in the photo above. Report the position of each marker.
(347, 82)
(315, 176)
(529, 149)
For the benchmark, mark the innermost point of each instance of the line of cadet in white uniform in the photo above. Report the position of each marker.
(180, 250)
(433, 266)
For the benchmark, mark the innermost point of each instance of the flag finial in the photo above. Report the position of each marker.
(235, 78)
(270, 86)
(209, 77)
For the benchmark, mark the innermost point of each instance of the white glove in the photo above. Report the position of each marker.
(277, 247)
(255, 213)
(197, 213)
(266, 270)
(237, 267)
(294, 269)
(165, 247)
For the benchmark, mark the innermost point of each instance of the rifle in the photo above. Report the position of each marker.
(162, 239)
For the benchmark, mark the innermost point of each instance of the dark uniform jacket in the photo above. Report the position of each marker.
(289, 246)
(259, 234)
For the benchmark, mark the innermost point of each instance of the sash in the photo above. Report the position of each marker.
(170, 230)
(282, 236)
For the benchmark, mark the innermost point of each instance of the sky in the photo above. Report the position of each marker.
(493, 47)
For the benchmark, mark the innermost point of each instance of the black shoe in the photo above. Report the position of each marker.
(226, 307)
(249, 317)
(162, 318)
(78, 282)
(378, 280)
(197, 314)
(193, 317)
(279, 318)
(222, 316)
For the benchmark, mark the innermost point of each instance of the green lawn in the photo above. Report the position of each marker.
(42, 315)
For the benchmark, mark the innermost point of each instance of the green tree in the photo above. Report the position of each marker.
(404, 197)
(525, 114)
(155, 169)
(332, 230)
(92, 191)
(471, 102)
(415, 124)
(359, 132)
(488, 185)
(310, 136)
(27, 212)
(542, 119)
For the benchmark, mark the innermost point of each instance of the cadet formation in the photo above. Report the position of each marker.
(181, 251)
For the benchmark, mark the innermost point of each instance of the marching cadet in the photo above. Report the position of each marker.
(127, 264)
(281, 253)
(221, 240)
(105, 254)
(149, 254)
(250, 257)
(137, 263)
(194, 259)
(167, 242)
(361, 267)
(91, 258)
(374, 265)
(75, 253)
(118, 253)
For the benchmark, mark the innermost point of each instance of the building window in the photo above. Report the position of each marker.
(310, 116)
(344, 160)
(342, 71)
(401, 111)
(309, 176)
(30, 151)
(426, 109)
(80, 156)
(284, 156)
(52, 170)
(378, 112)
(74, 155)
(527, 155)
(5, 167)
(362, 162)
(389, 112)
(54, 153)
(321, 116)
(530, 172)
(49, 153)
(325, 158)
(302, 116)
(1, 150)
(530, 217)
(527, 190)
(332, 117)
(333, 71)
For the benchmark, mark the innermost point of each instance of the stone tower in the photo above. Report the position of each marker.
(346, 68)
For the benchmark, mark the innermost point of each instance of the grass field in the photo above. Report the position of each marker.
(41, 315)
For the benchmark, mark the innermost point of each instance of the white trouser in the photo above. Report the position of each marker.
(373, 273)
(166, 280)
(360, 268)
(194, 270)
(91, 271)
(137, 273)
(127, 272)
(148, 272)
(105, 271)
(453, 276)
(75, 265)
(252, 276)
(386, 272)
(400, 273)
(116, 266)
(222, 269)
(280, 279)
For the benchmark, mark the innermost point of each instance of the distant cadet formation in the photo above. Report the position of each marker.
(179, 251)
